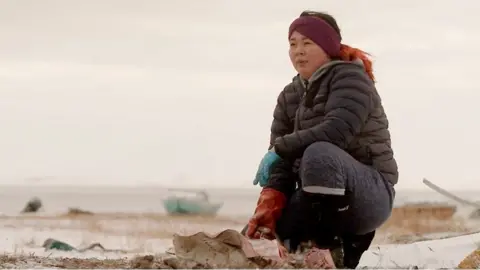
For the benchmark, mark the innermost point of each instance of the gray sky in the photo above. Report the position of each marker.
(182, 92)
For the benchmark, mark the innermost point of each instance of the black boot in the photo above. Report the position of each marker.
(297, 224)
(353, 248)
(331, 210)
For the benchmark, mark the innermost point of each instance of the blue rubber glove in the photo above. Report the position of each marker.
(263, 173)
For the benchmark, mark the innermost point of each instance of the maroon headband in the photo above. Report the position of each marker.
(319, 32)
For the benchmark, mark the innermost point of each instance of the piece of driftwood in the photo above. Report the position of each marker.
(471, 261)
(449, 194)
(475, 213)
(73, 211)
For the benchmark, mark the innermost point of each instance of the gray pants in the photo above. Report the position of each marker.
(326, 170)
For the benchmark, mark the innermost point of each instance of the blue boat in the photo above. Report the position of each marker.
(199, 204)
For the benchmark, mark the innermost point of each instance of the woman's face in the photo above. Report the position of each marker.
(306, 56)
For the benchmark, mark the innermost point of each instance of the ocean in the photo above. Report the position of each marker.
(237, 202)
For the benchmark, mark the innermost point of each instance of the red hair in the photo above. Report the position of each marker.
(348, 53)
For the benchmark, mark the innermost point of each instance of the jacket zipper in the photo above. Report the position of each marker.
(299, 112)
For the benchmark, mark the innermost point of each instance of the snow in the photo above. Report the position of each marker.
(426, 254)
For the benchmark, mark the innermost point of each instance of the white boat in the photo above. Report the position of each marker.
(192, 202)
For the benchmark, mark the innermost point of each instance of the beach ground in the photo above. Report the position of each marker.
(143, 240)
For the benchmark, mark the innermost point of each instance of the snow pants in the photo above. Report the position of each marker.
(338, 196)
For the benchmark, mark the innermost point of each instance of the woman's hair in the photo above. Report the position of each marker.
(347, 53)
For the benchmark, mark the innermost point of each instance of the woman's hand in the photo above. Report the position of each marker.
(263, 173)
(269, 209)
(261, 225)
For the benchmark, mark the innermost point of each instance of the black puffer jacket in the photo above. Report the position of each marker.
(340, 105)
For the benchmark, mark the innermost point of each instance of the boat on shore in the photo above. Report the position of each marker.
(190, 202)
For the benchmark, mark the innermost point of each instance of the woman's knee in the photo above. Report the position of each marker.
(369, 210)
(322, 169)
(320, 149)
(359, 226)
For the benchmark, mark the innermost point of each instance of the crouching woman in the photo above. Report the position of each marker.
(329, 175)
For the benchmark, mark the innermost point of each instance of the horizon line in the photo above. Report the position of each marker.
(147, 185)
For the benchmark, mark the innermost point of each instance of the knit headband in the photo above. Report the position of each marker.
(319, 32)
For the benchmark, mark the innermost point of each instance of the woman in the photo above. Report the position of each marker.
(329, 175)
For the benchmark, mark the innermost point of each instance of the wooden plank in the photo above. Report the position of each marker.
(450, 195)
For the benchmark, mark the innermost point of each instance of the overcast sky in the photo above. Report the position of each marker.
(182, 92)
